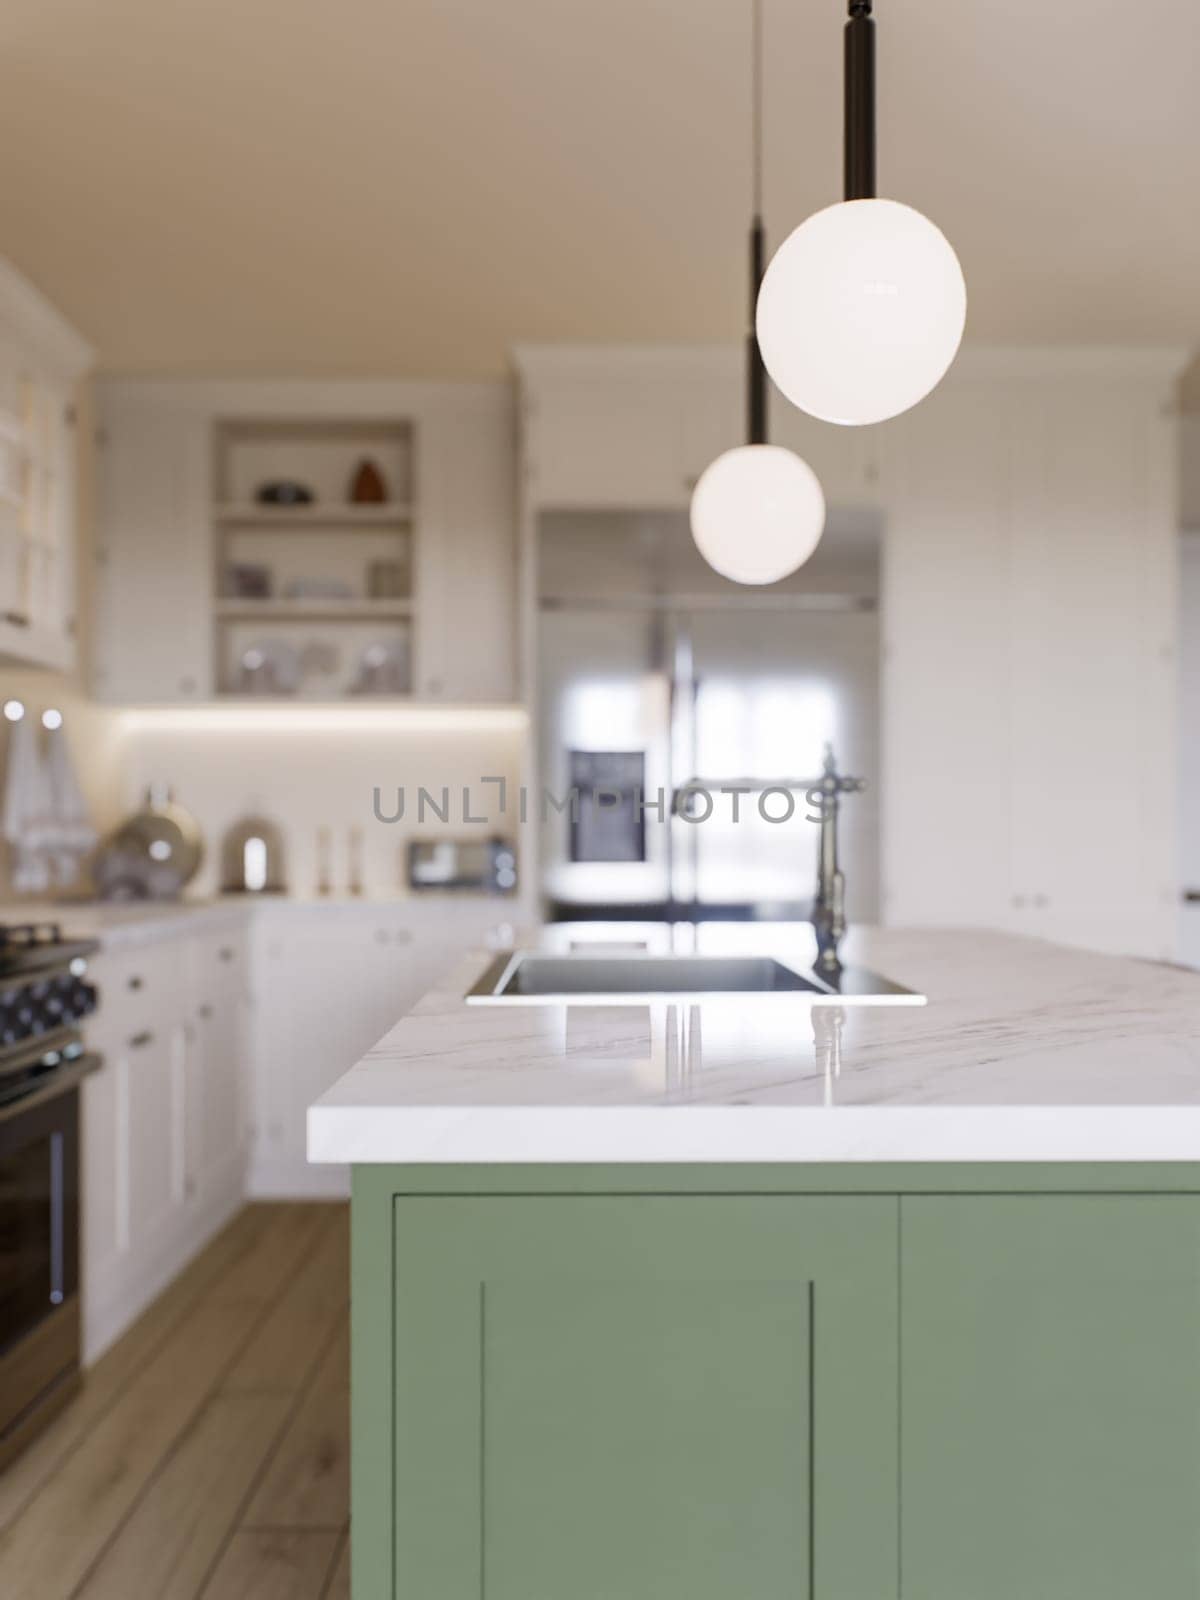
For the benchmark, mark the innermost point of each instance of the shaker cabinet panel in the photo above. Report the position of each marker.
(616, 442)
(153, 559)
(41, 362)
(651, 1396)
(466, 557)
(1050, 1393)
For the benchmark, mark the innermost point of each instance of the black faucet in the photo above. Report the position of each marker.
(829, 903)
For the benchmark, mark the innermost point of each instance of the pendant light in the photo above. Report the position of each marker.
(758, 511)
(862, 309)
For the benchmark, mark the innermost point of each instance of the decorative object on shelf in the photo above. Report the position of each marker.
(383, 669)
(862, 309)
(324, 860)
(758, 511)
(285, 492)
(319, 658)
(268, 668)
(367, 487)
(153, 855)
(318, 589)
(252, 857)
(354, 860)
(387, 580)
(246, 580)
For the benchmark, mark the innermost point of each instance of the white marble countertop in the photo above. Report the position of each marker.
(122, 924)
(1026, 1052)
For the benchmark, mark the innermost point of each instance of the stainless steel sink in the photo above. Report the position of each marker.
(526, 978)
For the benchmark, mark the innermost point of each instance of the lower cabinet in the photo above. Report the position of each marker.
(163, 1136)
(684, 1388)
(662, 1398)
(1051, 1396)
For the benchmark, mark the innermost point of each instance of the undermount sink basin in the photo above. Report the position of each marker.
(525, 978)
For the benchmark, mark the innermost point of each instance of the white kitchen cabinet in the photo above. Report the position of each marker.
(634, 429)
(1094, 570)
(330, 981)
(218, 1065)
(163, 1144)
(163, 487)
(466, 553)
(42, 360)
(614, 440)
(1028, 612)
(152, 621)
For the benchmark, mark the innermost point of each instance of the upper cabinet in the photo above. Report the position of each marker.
(305, 540)
(42, 360)
(1027, 615)
(633, 429)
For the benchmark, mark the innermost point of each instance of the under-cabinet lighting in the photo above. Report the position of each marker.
(299, 718)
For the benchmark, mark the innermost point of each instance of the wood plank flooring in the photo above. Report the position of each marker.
(207, 1456)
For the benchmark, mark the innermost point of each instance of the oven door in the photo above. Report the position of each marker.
(39, 1253)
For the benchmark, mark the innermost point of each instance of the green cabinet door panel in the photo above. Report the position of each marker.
(644, 1397)
(1050, 1397)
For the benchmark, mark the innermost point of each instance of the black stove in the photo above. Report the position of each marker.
(44, 997)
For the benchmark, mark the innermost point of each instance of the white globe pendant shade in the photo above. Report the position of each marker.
(757, 513)
(861, 311)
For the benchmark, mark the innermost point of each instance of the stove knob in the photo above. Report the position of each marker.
(82, 1001)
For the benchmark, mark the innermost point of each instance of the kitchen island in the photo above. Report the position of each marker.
(740, 1299)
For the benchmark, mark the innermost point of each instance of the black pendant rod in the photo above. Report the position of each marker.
(756, 372)
(860, 102)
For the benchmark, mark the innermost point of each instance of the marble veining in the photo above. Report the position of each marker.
(1026, 1050)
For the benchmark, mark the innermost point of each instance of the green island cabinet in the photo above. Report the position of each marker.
(776, 1383)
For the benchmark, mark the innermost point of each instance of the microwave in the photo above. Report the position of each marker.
(468, 866)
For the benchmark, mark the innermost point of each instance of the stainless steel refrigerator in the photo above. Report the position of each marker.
(664, 689)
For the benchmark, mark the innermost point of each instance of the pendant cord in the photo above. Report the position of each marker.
(859, 136)
(756, 99)
(756, 372)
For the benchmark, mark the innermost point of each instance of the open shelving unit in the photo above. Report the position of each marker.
(313, 600)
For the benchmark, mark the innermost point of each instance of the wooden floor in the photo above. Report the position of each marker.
(207, 1457)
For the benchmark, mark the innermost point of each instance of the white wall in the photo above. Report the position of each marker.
(307, 773)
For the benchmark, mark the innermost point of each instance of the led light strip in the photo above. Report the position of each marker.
(272, 717)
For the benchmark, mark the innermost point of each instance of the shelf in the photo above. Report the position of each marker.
(346, 517)
(313, 610)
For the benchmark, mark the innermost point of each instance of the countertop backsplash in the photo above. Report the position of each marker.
(314, 782)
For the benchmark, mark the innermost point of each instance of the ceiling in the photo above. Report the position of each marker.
(412, 187)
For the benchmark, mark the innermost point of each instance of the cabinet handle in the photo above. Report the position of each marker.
(139, 1040)
(206, 1012)
(226, 953)
(18, 619)
(135, 982)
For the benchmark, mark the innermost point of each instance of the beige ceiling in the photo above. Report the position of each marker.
(413, 186)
